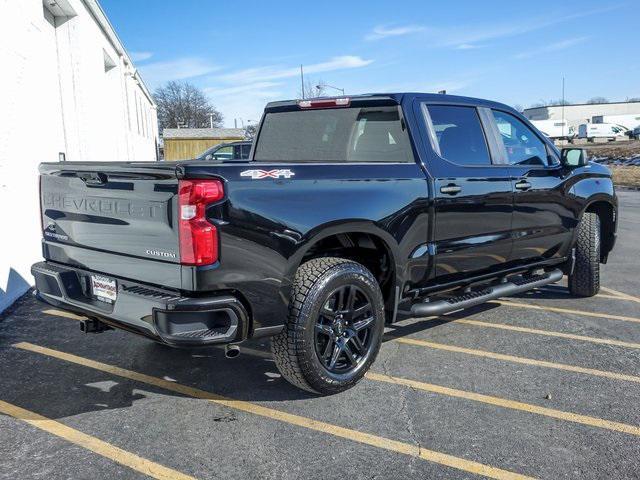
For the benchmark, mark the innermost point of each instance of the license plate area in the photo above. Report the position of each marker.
(104, 288)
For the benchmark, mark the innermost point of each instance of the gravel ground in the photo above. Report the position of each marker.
(493, 400)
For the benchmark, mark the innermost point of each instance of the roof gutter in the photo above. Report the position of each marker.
(101, 19)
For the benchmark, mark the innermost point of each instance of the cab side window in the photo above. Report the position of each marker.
(522, 146)
(458, 135)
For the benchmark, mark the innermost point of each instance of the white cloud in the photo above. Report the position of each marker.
(242, 94)
(140, 56)
(552, 47)
(456, 36)
(262, 87)
(178, 69)
(243, 102)
(380, 31)
(467, 46)
(258, 74)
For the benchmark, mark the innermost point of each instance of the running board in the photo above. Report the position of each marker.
(440, 307)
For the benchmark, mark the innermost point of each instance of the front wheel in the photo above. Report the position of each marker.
(334, 328)
(584, 281)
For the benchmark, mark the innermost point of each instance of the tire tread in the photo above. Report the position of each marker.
(585, 279)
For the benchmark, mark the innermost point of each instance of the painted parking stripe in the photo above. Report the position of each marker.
(62, 313)
(566, 310)
(548, 333)
(93, 444)
(611, 297)
(510, 404)
(319, 426)
(626, 296)
(515, 359)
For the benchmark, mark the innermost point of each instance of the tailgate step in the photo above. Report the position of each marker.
(466, 300)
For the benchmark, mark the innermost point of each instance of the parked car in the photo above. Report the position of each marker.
(601, 130)
(351, 214)
(227, 151)
(636, 133)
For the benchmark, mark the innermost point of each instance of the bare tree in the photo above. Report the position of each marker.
(550, 103)
(181, 104)
(633, 99)
(250, 131)
(598, 100)
(312, 89)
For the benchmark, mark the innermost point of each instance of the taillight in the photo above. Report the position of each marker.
(198, 237)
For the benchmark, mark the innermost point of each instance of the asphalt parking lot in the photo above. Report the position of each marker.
(541, 385)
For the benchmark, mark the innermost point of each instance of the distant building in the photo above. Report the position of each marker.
(614, 112)
(69, 92)
(186, 143)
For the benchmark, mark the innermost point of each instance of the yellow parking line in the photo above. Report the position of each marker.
(521, 360)
(567, 310)
(626, 296)
(337, 431)
(570, 336)
(611, 297)
(510, 404)
(62, 313)
(93, 444)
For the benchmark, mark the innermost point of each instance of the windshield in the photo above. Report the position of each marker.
(367, 134)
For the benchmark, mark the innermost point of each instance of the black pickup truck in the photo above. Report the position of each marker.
(349, 213)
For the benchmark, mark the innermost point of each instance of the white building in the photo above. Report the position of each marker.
(68, 90)
(614, 112)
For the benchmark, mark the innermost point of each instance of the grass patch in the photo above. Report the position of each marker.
(626, 176)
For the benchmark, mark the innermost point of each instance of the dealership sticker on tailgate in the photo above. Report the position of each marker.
(104, 288)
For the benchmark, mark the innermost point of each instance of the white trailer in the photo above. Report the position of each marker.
(629, 121)
(555, 129)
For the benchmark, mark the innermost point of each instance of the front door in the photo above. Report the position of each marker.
(473, 195)
(542, 222)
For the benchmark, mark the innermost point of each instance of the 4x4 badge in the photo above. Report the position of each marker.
(259, 174)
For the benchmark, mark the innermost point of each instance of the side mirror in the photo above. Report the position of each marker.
(209, 157)
(574, 157)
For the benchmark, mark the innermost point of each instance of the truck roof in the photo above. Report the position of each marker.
(399, 97)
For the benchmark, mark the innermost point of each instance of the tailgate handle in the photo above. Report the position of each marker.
(93, 178)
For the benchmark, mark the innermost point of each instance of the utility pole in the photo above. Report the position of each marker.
(563, 102)
(302, 81)
(211, 120)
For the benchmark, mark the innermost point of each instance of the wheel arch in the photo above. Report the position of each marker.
(361, 241)
(603, 206)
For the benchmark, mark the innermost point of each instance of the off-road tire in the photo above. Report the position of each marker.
(585, 279)
(294, 348)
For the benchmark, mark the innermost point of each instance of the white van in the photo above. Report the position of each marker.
(601, 130)
(555, 129)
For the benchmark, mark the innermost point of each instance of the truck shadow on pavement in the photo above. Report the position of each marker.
(57, 388)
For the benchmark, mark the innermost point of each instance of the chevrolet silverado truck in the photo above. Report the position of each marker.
(349, 214)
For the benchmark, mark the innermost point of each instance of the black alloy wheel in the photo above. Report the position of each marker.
(343, 329)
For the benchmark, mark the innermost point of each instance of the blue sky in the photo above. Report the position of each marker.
(244, 54)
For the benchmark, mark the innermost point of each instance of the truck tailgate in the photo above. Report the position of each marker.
(104, 216)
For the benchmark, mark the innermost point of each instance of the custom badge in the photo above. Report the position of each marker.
(260, 174)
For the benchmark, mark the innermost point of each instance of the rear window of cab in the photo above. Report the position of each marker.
(365, 134)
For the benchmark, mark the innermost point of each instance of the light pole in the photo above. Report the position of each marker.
(324, 85)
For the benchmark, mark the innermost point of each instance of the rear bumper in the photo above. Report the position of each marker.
(163, 315)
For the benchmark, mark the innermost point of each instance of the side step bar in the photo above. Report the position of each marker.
(440, 307)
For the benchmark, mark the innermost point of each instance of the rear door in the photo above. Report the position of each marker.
(473, 196)
(542, 221)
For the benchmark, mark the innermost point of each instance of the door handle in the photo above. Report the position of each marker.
(451, 189)
(523, 185)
